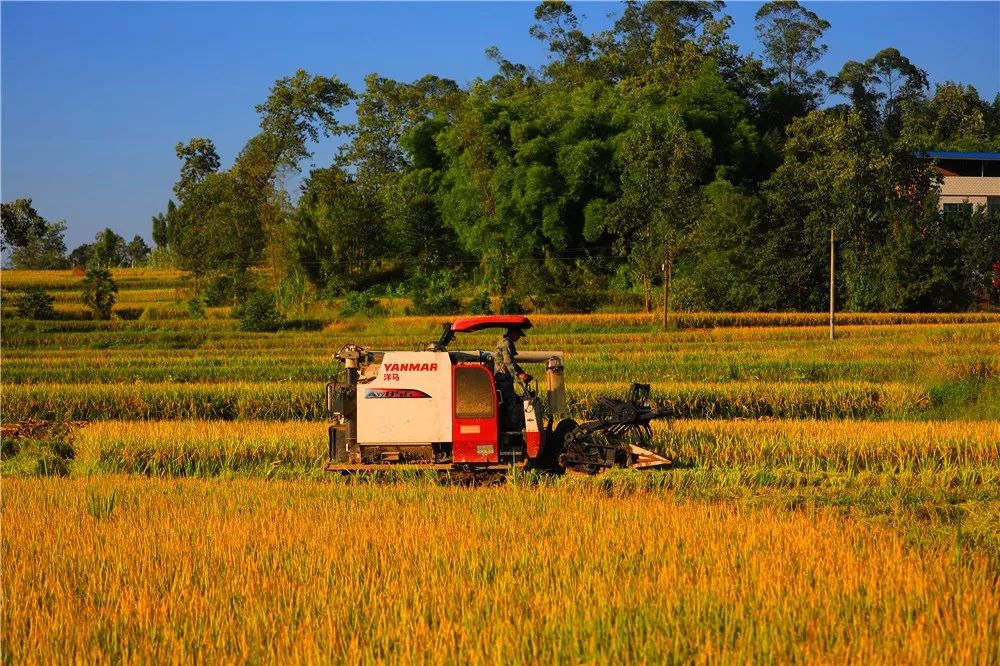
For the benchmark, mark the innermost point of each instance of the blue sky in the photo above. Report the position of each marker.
(94, 96)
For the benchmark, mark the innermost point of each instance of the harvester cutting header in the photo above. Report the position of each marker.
(476, 411)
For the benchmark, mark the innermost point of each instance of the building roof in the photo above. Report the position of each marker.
(958, 155)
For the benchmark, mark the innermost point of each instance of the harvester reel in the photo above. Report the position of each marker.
(618, 436)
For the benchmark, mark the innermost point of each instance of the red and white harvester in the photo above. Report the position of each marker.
(440, 409)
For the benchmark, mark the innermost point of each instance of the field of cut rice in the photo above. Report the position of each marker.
(830, 501)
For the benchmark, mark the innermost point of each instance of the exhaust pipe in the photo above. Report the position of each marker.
(556, 385)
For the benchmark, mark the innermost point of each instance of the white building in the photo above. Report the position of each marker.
(969, 179)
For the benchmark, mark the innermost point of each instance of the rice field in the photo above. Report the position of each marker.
(304, 573)
(830, 501)
(176, 448)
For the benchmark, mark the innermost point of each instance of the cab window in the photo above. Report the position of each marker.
(473, 394)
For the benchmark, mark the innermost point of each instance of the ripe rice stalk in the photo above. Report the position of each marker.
(253, 571)
(140, 401)
(202, 448)
(824, 445)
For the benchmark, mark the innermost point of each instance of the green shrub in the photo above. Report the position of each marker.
(36, 304)
(432, 294)
(511, 305)
(99, 292)
(196, 308)
(362, 304)
(261, 314)
(577, 301)
(480, 304)
(28, 457)
(219, 292)
(129, 314)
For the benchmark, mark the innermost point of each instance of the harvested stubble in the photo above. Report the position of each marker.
(147, 571)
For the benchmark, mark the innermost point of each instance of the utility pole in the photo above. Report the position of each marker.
(667, 271)
(832, 293)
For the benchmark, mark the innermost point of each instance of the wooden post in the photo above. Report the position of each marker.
(667, 275)
(832, 292)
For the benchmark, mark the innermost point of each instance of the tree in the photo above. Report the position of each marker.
(925, 263)
(421, 236)
(230, 221)
(81, 254)
(334, 239)
(43, 251)
(165, 226)
(727, 246)
(199, 160)
(661, 44)
(109, 250)
(20, 222)
(899, 81)
(790, 35)
(956, 118)
(659, 163)
(978, 239)
(99, 292)
(836, 174)
(386, 112)
(219, 227)
(297, 111)
(570, 49)
(880, 86)
(35, 243)
(137, 251)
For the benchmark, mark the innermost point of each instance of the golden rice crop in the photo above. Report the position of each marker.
(850, 446)
(202, 448)
(156, 295)
(126, 278)
(214, 447)
(147, 571)
(156, 351)
(304, 400)
(129, 311)
(161, 365)
(775, 399)
(618, 342)
(89, 402)
(741, 319)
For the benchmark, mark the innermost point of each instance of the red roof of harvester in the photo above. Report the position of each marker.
(470, 324)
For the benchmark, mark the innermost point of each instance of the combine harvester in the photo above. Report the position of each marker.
(441, 410)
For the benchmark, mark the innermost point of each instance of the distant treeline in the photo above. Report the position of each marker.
(651, 153)
(37, 244)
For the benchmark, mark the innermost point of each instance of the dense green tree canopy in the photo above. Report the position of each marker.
(654, 150)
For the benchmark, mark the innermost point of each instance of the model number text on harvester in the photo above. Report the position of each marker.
(395, 393)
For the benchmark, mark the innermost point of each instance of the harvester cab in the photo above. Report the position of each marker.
(441, 409)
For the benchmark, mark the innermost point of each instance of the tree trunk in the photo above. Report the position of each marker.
(647, 299)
